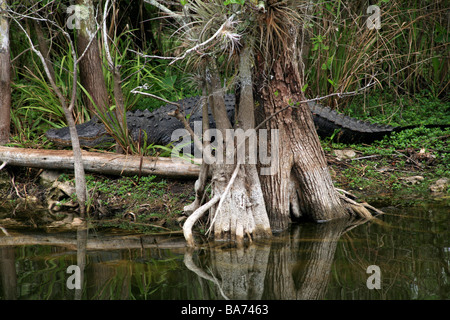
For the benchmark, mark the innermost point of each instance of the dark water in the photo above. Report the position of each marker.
(409, 249)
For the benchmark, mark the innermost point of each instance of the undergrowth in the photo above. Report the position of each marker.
(384, 166)
(146, 203)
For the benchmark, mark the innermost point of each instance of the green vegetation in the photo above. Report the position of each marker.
(384, 165)
(406, 57)
(144, 203)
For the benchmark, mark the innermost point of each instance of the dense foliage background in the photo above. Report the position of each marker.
(407, 60)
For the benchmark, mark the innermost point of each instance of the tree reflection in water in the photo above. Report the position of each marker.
(294, 265)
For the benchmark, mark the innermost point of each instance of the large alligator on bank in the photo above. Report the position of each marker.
(158, 125)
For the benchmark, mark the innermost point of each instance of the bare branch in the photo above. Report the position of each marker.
(163, 8)
(151, 56)
(105, 38)
(151, 95)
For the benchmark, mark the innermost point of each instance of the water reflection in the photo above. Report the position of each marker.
(295, 265)
(309, 261)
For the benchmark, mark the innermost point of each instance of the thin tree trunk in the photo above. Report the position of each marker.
(80, 179)
(91, 71)
(5, 77)
(115, 69)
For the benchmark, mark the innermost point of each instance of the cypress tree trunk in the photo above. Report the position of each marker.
(242, 209)
(299, 183)
(302, 183)
(5, 75)
(91, 72)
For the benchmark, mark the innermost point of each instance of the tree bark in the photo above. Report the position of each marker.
(91, 71)
(241, 212)
(5, 77)
(302, 183)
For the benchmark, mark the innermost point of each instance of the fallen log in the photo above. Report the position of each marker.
(104, 163)
(104, 242)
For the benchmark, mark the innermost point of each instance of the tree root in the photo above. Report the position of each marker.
(4, 231)
(362, 210)
(197, 214)
(222, 198)
(199, 187)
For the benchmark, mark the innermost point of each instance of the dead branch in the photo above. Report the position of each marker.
(103, 163)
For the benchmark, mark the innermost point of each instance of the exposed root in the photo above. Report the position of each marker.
(192, 219)
(199, 187)
(362, 210)
(4, 231)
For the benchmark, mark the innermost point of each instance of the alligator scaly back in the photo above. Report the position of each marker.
(159, 126)
(346, 129)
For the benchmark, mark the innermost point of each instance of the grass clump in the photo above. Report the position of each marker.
(146, 203)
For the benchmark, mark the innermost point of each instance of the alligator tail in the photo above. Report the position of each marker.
(330, 123)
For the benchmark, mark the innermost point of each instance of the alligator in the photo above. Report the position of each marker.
(158, 125)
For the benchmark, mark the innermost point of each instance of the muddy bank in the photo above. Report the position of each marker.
(44, 199)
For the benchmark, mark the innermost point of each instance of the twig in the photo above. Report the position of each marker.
(163, 8)
(3, 165)
(15, 187)
(151, 56)
(198, 144)
(367, 157)
(4, 231)
(409, 158)
(152, 95)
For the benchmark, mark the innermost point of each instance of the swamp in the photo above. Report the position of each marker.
(357, 207)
